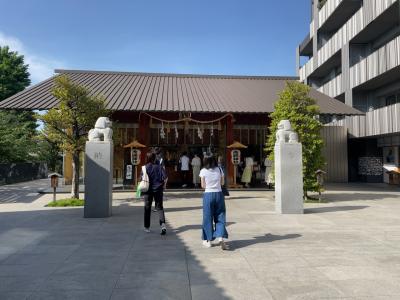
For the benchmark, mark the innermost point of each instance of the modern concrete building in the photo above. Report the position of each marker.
(352, 53)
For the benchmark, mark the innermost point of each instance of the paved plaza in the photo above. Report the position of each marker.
(348, 248)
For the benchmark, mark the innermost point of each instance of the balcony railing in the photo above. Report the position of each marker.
(341, 37)
(365, 15)
(326, 11)
(306, 70)
(312, 31)
(382, 60)
(333, 88)
(385, 120)
(374, 8)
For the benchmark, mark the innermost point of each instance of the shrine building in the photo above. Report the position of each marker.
(196, 114)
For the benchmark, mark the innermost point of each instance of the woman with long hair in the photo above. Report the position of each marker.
(214, 211)
(157, 180)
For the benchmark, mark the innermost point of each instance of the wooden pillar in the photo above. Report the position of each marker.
(67, 165)
(229, 141)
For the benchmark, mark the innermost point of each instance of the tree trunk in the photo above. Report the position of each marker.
(75, 175)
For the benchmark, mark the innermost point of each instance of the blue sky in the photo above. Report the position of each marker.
(246, 37)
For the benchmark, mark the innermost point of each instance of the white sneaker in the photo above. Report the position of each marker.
(163, 229)
(147, 230)
(184, 185)
(207, 244)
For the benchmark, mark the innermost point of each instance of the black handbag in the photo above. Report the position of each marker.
(224, 189)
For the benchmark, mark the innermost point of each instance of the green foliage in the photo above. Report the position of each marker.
(295, 105)
(14, 75)
(67, 202)
(49, 152)
(17, 132)
(17, 128)
(67, 124)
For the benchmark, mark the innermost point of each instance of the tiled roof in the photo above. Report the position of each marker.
(127, 91)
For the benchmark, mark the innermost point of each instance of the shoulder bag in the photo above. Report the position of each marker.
(144, 184)
(224, 189)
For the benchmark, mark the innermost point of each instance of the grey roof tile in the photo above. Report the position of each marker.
(174, 92)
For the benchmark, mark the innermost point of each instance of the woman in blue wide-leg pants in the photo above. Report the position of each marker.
(214, 216)
(214, 211)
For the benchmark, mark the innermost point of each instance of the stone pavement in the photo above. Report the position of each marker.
(23, 192)
(348, 248)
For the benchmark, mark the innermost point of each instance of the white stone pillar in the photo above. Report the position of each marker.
(288, 174)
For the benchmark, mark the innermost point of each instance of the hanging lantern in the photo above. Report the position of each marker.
(219, 126)
(168, 128)
(199, 133)
(212, 130)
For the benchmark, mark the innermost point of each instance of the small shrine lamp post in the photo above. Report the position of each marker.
(320, 181)
(135, 155)
(235, 160)
(54, 183)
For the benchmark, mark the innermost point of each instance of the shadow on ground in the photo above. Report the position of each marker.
(197, 227)
(320, 210)
(268, 238)
(23, 192)
(362, 187)
(59, 254)
(240, 198)
(338, 197)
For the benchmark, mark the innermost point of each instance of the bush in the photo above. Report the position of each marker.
(295, 104)
(66, 202)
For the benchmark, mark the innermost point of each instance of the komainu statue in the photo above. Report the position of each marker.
(285, 134)
(102, 130)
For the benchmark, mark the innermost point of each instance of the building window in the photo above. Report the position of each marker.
(389, 155)
(392, 99)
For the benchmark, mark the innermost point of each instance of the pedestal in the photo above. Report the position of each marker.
(288, 178)
(98, 179)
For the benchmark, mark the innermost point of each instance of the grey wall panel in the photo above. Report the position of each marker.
(335, 153)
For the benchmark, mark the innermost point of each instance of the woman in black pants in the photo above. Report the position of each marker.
(157, 181)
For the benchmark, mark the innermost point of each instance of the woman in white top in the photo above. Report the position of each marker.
(214, 212)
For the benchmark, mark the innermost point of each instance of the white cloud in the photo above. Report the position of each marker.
(40, 67)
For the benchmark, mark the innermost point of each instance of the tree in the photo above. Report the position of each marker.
(17, 128)
(14, 75)
(49, 152)
(17, 132)
(67, 124)
(295, 104)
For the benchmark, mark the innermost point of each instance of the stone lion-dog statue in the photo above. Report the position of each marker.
(285, 134)
(102, 130)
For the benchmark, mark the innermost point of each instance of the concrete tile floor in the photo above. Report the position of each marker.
(348, 248)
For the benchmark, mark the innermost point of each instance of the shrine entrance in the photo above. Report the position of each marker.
(200, 135)
(194, 133)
